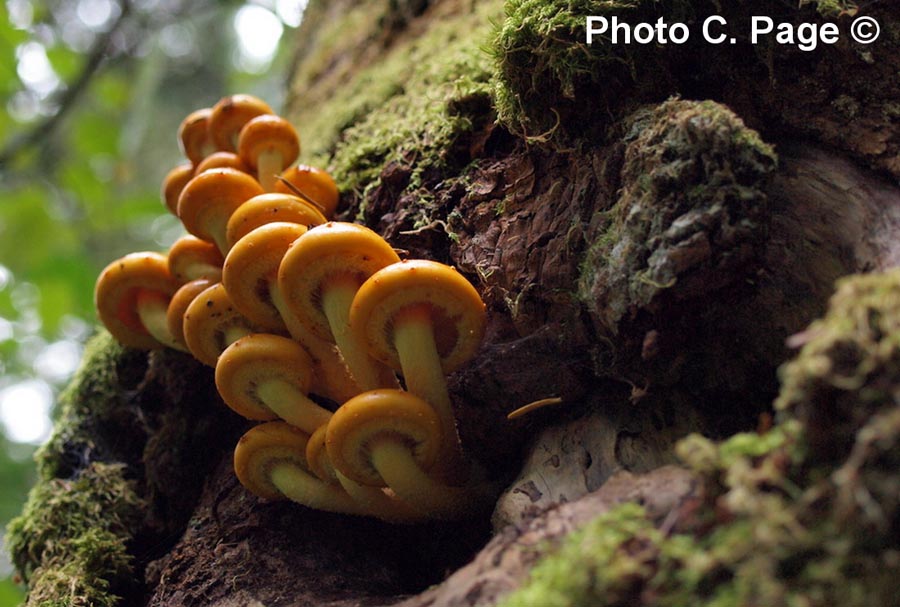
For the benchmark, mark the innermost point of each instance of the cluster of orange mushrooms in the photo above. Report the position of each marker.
(286, 304)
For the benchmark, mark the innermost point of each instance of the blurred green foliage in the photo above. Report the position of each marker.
(91, 96)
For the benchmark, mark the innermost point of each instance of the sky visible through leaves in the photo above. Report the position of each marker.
(91, 96)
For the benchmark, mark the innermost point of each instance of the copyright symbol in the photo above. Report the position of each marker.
(865, 30)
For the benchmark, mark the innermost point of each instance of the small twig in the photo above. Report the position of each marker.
(544, 402)
(300, 193)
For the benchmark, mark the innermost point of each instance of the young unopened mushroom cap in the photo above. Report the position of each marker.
(212, 323)
(251, 271)
(269, 208)
(312, 182)
(222, 160)
(209, 199)
(193, 136)
(179, 304)
(229, 116)
(173, 183)
(375, 415)
(270, 461)
(269, 144)
(191, 258)
(116, 296)
(457, 311)
(265, 377)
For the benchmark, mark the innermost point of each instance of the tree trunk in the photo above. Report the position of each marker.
(652, 230)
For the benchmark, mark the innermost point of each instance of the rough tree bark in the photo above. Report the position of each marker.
(649, 228)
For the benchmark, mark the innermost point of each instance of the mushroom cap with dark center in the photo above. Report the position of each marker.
(269, 208)
(209, 199)
(457, 311)
(261, 448)
(118, 288)
(381, 415)
(335, 249)
(251, 271)
(255, 359)
(229, 116)
(312, 182)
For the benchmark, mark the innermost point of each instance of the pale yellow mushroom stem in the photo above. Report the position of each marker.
(421, 365)
(269, 165)
(151, 309)
(300, 486)
(379, 503)
(331, 371)
(403, 475)
(337, 297)
(293, 406)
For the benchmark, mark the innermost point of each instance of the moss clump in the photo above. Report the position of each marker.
(833, 8)
(806, 514)
(552, 86)
(412, 106)
(693, 203)
(850, 368)
(70, 541)
(93, 408)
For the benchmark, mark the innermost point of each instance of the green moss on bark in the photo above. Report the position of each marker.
(413, 105)
(850, 366)
(70, 541)
(805, 514)
(94, 405)
(692, 202)
(554, 88)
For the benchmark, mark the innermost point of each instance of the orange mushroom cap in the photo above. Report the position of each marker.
(381, 415)
(268, 133)
(117, 291)
(229, 116)
(191, 258)
(193, 135)
(307, 181)
(333, 249)
(263, 445)
(270, 208)
(209, 199)
(222, 160)
(173, 183)
(270, 461)
(317, 455)
(212, 323)
(179, 304)
(457, 311)
(251, 271)
(264, 377)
